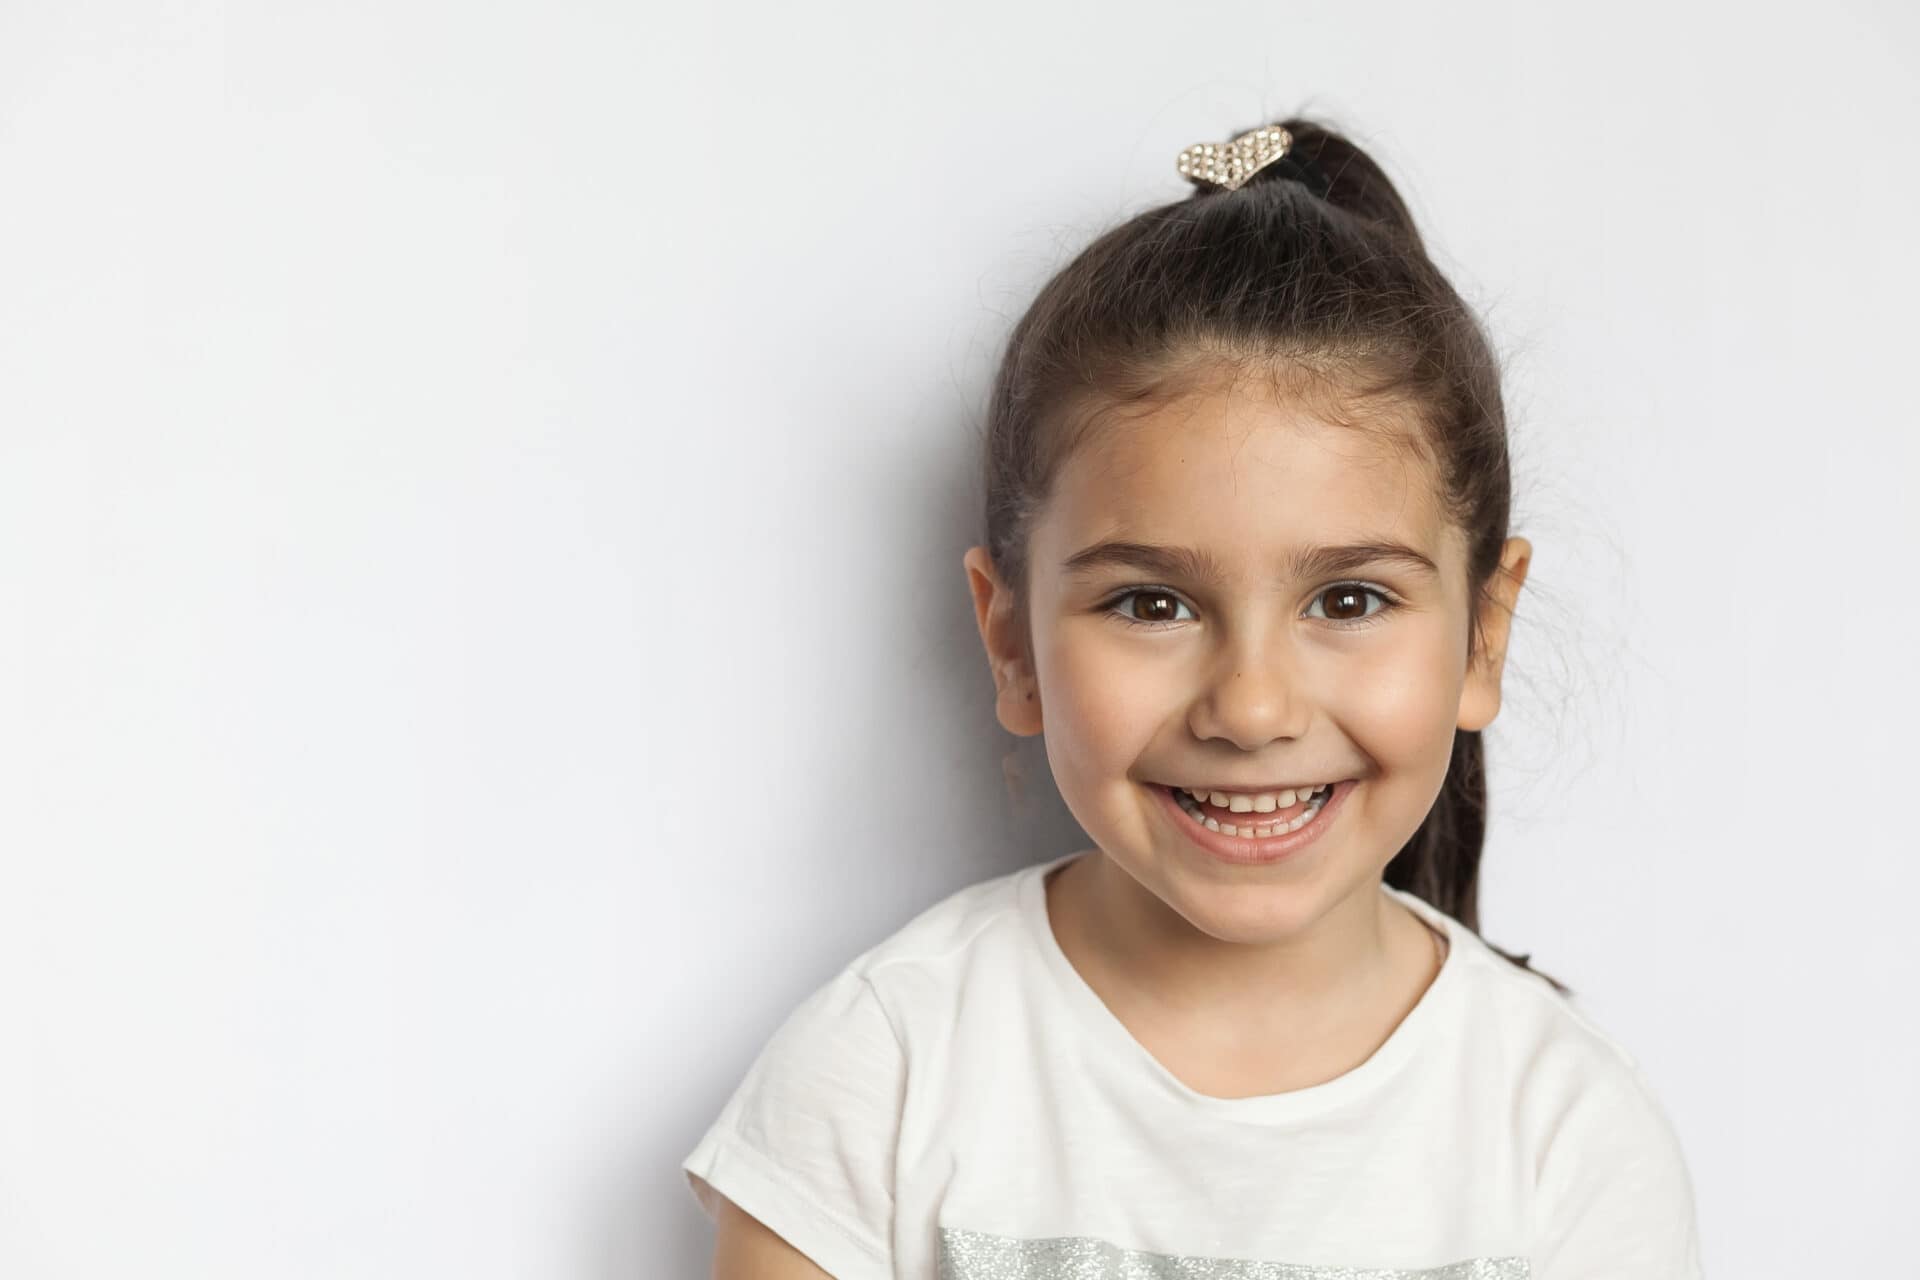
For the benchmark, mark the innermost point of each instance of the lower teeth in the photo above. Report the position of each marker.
(1268, 831)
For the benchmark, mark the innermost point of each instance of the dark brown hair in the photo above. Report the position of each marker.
(1331, 296)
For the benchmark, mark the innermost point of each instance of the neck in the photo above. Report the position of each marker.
(1362, 944)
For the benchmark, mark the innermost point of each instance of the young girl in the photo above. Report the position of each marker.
(1247, 568)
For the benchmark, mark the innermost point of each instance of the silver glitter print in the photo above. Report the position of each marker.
(975, 1255)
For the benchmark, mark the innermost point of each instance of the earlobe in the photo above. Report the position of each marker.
(1018, 709)
(1017, 701)
(1480, 696)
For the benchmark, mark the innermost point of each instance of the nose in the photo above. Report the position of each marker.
(1253, 693)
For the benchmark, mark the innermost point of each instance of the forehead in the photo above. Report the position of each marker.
(1247, 475)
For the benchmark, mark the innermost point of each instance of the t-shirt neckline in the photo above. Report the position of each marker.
(1112, 1037)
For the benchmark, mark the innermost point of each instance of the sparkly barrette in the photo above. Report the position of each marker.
(1230, 165)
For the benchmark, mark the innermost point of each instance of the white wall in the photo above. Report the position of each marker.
(443, 447)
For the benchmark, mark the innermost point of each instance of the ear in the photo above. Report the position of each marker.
(1480, 696)
(1017, 704)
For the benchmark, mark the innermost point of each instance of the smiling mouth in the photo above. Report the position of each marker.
(1260, 826)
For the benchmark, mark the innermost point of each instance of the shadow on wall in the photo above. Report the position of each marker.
(1015, 816)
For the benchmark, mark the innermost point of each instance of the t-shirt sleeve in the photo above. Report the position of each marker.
(806, 1143)
(1614, 1194)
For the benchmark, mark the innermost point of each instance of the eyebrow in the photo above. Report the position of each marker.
(1186, 562)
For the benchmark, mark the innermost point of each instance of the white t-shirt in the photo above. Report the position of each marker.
(958, 1104)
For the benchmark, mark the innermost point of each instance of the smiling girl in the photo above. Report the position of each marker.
(1247, 570)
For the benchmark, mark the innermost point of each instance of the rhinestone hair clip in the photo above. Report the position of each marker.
(1229, 165)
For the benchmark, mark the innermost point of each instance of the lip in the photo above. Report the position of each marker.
(1247, 850)
(1268, 790)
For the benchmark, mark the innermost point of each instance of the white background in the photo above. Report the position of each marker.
(482, 632)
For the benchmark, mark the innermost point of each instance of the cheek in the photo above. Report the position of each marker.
(1402, 704)
(1101, 699)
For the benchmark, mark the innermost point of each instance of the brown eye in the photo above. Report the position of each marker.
(1347, 602)
(1150, 607)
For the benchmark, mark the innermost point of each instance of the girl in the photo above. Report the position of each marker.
(1247, 568)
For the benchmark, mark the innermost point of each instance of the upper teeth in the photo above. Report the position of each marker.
(1256, 802)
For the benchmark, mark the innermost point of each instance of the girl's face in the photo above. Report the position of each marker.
(1270, 670)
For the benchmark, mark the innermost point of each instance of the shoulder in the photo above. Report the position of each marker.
(1612, 1194)
(807, 1141)
(1545, 1039)
(867, 1011)
(972, 937)
(857, 1024)
(952, 924)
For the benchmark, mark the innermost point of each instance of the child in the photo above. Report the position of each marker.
(1247, 567)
